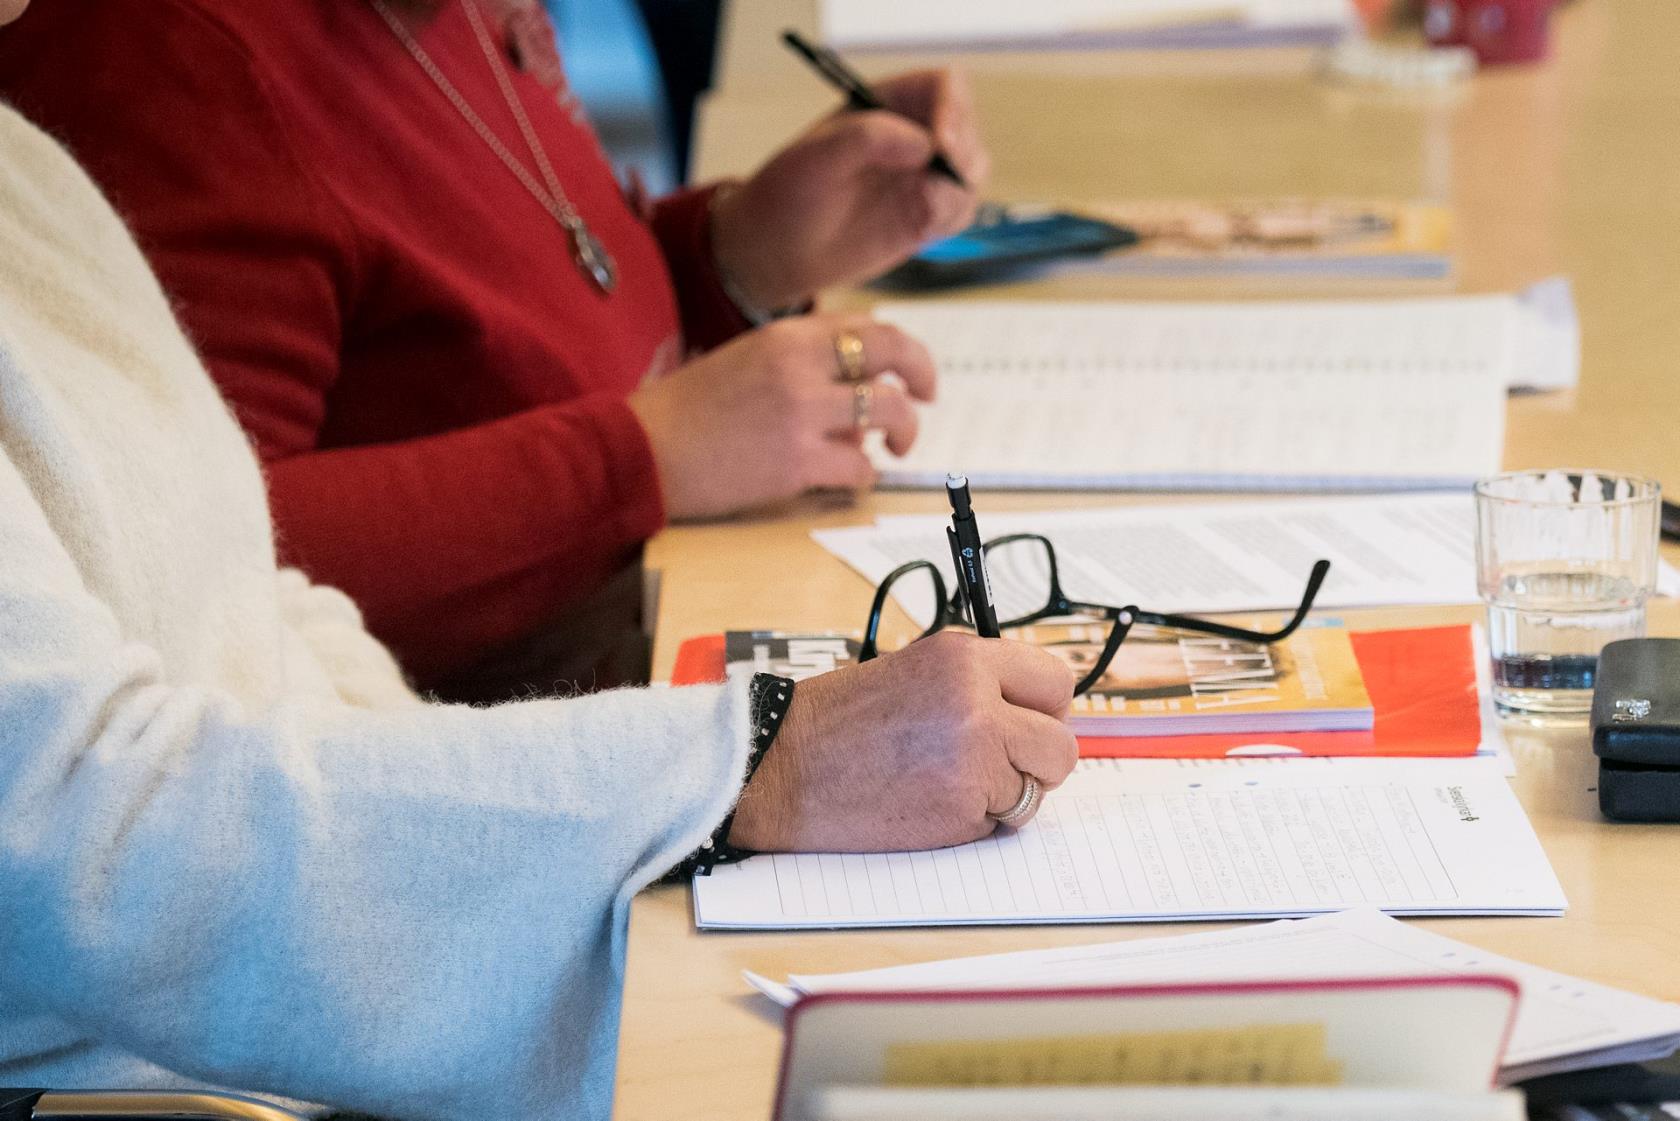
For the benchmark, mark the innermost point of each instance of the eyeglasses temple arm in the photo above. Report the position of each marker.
(1320, 570)
(1123, 621)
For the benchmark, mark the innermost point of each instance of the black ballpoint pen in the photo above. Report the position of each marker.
(970, 557)
(858, 94)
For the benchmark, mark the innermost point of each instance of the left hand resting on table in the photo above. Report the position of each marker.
(853, 196)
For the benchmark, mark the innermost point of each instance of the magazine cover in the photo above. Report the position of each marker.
(1424, 686)
(1164, 682)
(786, 654)
(1378, 237)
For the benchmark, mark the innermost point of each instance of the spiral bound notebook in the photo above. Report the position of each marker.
(1275, 395)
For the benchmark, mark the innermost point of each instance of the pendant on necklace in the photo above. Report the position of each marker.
(593, 259)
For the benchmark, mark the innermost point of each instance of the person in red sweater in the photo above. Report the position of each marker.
(478, 374)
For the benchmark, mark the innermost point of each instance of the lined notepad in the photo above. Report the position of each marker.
(1158, 840)
(1328, 395)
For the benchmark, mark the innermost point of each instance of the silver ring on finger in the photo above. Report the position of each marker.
(848, 353)
(1023, 809)
(863, 404)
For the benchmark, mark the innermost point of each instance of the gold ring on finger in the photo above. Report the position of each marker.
(863, 403)
(848, 351)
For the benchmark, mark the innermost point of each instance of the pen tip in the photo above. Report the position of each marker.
(954, 480)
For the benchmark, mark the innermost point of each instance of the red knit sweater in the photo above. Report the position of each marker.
(437, 392)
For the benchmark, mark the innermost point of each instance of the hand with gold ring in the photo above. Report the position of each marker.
(942, 742)
(780, 411)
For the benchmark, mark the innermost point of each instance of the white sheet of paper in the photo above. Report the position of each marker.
(1309, 395)
(1159, 840)
(1560, 1018)
(892, 23)
(1385, 550)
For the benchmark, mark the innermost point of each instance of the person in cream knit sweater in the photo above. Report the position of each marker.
(237, 850)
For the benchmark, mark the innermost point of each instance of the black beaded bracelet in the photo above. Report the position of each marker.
(768, 699)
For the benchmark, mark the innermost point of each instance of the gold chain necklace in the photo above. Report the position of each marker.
(589, 254)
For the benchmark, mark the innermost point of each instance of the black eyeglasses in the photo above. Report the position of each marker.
(1024, 573)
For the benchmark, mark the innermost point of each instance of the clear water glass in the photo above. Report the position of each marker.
(1565, 560)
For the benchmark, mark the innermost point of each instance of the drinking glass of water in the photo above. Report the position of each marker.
(1565, 560)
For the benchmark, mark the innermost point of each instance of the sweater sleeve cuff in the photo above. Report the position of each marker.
(682, 222)
(635, 502)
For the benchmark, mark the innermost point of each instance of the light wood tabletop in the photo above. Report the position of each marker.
(1568, 168)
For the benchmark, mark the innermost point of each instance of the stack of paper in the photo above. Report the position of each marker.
(1563, 1023)
(1128, 840)
(970, 24)
(1277, 395)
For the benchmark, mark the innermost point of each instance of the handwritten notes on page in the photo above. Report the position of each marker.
(1332, 395)
(1157, 840)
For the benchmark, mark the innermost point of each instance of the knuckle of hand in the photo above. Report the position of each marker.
(783, 345)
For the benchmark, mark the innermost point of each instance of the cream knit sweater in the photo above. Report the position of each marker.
(234, 848)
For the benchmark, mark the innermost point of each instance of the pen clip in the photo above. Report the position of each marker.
(965, 608)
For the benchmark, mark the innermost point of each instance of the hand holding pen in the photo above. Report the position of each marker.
(856, 194)
(860, 97)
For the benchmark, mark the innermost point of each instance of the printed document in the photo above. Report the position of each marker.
(1128, 840)
(1384, 550)
(1269, 395)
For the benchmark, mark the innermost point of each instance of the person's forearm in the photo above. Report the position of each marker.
(457, 544)
(414, 914)
(212, 864)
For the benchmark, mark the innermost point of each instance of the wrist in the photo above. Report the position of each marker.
(746, 271)
(764, 814)
(768, 699)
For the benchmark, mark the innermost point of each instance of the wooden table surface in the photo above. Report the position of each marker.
(1570, 167)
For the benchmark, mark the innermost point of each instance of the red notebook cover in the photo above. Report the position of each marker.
(1422, 684)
